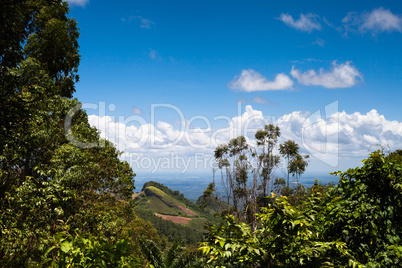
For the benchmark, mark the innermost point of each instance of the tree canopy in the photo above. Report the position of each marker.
(56, 198)
(356, 224)
(247, 172)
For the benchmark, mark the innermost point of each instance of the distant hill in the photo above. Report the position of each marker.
(173, 215)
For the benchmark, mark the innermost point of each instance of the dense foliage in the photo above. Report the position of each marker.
(354, 224)
(56, 198)
(171, 231)
(158, 198)
(367, 215)
(177, 256)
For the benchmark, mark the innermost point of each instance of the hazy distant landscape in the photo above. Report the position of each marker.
(192, 185)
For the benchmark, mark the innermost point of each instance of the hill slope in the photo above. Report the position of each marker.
(171, 213)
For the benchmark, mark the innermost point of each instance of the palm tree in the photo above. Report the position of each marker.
(289, 149)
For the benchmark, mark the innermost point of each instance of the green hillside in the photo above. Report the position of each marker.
(173, 215)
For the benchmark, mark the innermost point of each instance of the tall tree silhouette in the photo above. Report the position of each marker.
(266, 140)
(289, 149)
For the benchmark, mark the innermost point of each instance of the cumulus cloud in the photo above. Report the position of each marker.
(81, 3)
(377, 21)
(326, 138)
(250, 80)
(340, 76)
(306, 23)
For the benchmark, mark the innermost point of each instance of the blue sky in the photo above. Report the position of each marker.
(277, 58)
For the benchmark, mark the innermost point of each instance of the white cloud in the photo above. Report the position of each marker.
(337, 135)
(306, 23)
(340, 76)
(145, 23)
(319, 42)
(154, 54)
(377, 21)
(81, 3)
(250, 80)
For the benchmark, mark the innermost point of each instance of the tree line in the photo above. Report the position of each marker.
(246, 186)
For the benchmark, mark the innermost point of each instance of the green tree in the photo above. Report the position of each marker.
(287, 237)
(233, 160)
(38, 66)
(85, 251)
(48, 185)
(289, 149)
(266, 140)
(298, 165)
(246, 186)
(177, 256)
(207, 196)
(356, 224)
(368, 212)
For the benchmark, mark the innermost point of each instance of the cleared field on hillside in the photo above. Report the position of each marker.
(175, 219)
